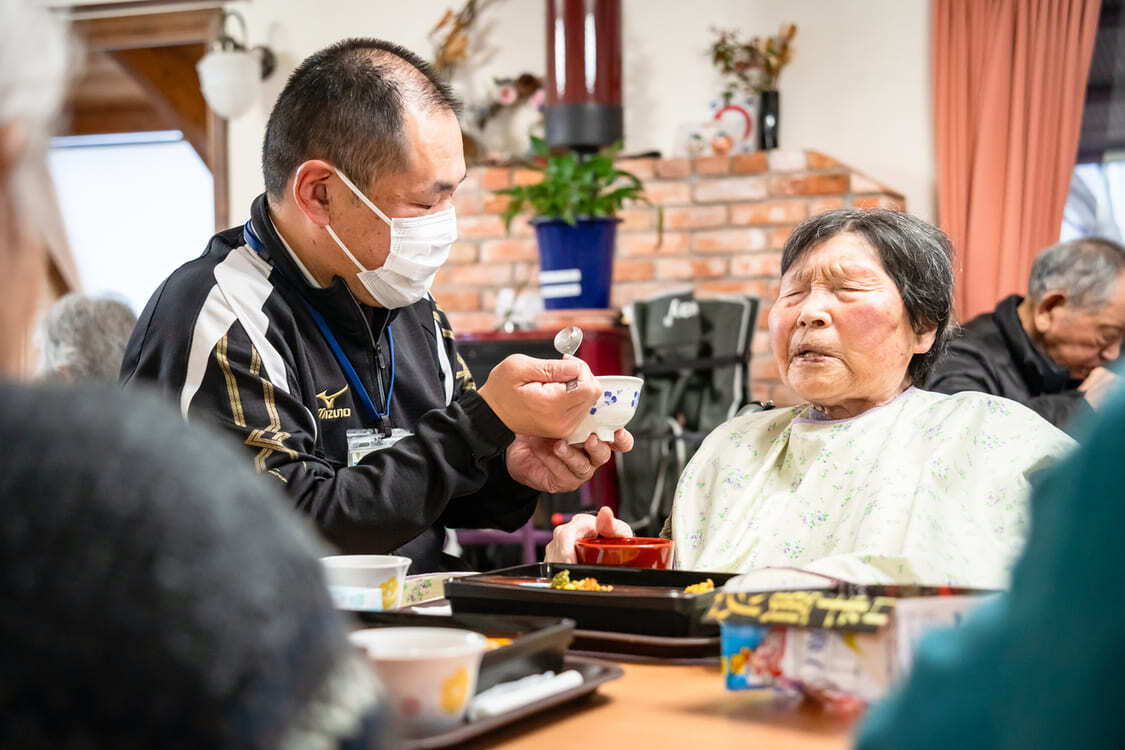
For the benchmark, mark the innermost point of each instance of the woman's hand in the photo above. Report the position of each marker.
(584, 526)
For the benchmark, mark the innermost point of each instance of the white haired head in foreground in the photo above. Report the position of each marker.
(35, 59)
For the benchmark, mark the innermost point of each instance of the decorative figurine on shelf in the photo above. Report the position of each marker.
(737, 117)
(695, 145)
(754, 67)
(721, 143)
(517, 309)
(514, 113)
(710, 138)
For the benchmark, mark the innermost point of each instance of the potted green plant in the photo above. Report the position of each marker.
(575, 209)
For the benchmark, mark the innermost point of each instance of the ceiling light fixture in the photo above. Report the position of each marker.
(230, 74)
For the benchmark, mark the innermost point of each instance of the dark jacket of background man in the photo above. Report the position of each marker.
(1051, 349)
(993, 354)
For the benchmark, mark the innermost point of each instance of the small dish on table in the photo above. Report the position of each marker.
(626, 551)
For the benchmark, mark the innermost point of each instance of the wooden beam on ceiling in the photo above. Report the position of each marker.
(125, 118)
(148, 30)
(106, 99)
(168, 75)
(158, 51)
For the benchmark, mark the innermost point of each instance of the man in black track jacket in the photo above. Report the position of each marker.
(314, 319)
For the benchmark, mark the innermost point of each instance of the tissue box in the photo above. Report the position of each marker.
(844, 645)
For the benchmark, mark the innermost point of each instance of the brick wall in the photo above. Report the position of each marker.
(725, 222)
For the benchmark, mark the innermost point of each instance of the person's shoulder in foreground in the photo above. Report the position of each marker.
(1040, 667)
(155, 593)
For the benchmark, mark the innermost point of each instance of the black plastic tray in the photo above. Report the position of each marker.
(661, 608)
(594, 673)
(645, 649)
(538, 645)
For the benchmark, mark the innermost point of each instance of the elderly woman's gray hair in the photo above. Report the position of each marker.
(917, 256)
(1086, 270)
(85, 337)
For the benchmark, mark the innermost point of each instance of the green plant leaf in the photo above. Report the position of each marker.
(574, 186)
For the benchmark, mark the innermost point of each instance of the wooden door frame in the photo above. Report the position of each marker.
(155, 49)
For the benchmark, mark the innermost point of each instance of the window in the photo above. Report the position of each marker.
(135, 205)
(1095, 206)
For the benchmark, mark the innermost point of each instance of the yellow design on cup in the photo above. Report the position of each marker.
(390, 592)
(454, 689)
(738, 661)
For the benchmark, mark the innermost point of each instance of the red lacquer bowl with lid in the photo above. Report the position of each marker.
(629, 551)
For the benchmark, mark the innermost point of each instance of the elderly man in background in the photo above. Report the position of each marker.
(1048, 350)
(156, 593)
(314, 321)
(83, 337)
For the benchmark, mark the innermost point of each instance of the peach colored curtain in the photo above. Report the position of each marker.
(1009, 81)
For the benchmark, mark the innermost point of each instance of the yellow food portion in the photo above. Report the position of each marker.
(700, 588)
(562, 581)
(496, 642)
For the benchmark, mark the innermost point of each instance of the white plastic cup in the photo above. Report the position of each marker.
(365, 583)
(430, 674)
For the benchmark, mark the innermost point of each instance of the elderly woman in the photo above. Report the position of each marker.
(155, 591)
(872, 479)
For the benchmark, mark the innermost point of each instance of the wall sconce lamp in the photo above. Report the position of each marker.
(231, 73)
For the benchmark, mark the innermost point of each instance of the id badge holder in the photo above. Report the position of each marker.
(364, 441)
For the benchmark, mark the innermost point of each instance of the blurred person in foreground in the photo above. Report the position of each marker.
(871, 479)
(1049, 350)
(83, 337)
(1041, 666)
(155, 593)
(314, 320)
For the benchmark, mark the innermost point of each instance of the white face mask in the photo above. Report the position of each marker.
(419, 247)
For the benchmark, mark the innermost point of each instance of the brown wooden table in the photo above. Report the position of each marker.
(681, 707)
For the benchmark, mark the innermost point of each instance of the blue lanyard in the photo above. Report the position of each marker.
(345, 364)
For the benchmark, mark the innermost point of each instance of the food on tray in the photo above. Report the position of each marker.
(562, 581)
(495, 642)
(700, 588)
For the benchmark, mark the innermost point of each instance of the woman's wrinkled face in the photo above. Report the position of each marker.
(839, 330)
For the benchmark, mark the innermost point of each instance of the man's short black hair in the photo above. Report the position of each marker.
(344, 105)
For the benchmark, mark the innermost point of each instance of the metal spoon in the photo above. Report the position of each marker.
(567, 342)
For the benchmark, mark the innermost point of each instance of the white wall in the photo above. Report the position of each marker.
(858, 88)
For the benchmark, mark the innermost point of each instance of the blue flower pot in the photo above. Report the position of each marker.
(576, 262)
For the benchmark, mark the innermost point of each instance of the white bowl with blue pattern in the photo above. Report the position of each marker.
(615, 406)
